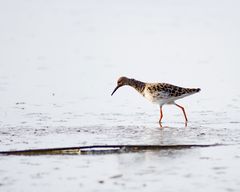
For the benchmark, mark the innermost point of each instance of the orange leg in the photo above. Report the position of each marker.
(183, 111)
(161, 114)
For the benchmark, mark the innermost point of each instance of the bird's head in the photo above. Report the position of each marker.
(121, 82)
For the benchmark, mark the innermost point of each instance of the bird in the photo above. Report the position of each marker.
(158, 93)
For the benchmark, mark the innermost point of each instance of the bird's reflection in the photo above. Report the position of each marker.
(166, 126)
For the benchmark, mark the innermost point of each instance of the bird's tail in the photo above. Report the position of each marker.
(194, 90)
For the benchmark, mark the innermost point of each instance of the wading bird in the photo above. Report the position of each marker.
(158, 93)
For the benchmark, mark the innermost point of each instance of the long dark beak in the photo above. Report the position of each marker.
(115, 90)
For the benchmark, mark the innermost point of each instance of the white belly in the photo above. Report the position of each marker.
(157, 100)
(161, 100)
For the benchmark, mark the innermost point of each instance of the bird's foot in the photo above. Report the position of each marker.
(160, 124)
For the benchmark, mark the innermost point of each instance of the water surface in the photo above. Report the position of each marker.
(59, 62)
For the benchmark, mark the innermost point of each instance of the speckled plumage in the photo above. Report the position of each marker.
(164, 93)
(159, 93)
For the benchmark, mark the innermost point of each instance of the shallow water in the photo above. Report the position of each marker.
(59, 62)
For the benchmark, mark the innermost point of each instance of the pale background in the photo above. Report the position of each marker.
(59, 62)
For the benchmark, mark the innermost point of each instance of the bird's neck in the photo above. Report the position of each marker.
(138, 85)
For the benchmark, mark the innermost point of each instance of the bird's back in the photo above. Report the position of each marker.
(164, 93)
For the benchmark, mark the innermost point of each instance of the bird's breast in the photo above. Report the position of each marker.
(151, 96)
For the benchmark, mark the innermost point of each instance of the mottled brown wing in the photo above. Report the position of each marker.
(172, 90)
(175, 91)
(166, 91)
